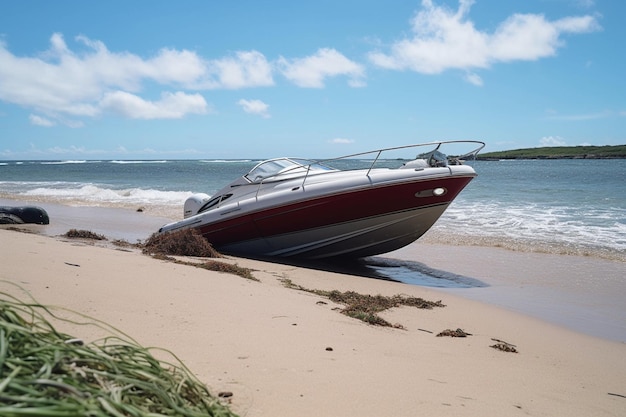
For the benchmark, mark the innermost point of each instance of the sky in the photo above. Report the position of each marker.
(235, 79)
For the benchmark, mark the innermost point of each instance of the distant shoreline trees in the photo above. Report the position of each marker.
(559, 152)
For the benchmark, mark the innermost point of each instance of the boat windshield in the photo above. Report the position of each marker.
(434, 158)
(284, 167)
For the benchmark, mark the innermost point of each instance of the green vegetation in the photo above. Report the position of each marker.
(47, 373)
(559, 152)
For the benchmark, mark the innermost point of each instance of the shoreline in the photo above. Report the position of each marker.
(281, 351)
(581, 293)
(584, 294)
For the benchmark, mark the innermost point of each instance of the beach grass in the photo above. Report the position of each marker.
(44, 372)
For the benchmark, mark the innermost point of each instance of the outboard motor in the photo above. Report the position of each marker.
(194, 203)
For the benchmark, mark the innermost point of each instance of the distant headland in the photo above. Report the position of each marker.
(558, 152)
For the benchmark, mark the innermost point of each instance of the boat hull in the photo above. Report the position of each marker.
(353, 223)
(354, 239)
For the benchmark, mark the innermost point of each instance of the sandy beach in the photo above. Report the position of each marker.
(282, 351)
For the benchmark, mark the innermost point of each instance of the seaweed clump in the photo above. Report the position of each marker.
(186, 242)
(226, 268)
(83, 234)
(189, 242)
(504, 346)
(366, 307)
(454, 333)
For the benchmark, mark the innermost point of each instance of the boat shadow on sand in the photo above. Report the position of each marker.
(379, 267)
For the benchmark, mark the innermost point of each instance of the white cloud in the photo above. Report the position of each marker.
(552, 141)
(55, 86)
(40, 121)
(72, 123)
(578, 117)
(46, 122)
(73, 151)
(585, 4)
(312, 71)
(170, 106)
(445, 39)
(244, 69)
(474, 78)
(341, 141)
(255, 107)
(61, 82)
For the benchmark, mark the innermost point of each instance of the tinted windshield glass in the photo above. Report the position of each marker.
(285, 167)
(268, 168)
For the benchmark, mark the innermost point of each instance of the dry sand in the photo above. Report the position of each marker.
(283, 352)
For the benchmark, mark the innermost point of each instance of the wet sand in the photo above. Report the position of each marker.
(585, 294)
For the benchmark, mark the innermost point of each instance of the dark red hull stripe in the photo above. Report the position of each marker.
(332, 209)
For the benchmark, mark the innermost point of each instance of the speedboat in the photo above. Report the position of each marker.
(353, 206)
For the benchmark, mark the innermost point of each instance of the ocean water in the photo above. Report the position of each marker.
(573, 207)
(553, 206)
(562, 221)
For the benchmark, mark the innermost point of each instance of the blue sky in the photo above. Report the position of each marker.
(244, 78)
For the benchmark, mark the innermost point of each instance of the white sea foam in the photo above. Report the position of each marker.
(104, 196)
(63, 162)
(592, 227)
(138, 162)
(225, 161)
